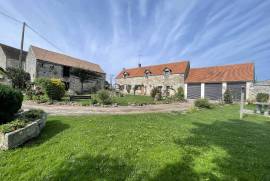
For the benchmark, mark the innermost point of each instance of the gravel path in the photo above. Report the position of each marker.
(79, 110)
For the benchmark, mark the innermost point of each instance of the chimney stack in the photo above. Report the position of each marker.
(139, 65)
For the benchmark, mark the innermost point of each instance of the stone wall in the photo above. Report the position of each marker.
(3, 62)
(15, 63)
(49, 70)
(172, 82)
(31, 64)
(260, 87)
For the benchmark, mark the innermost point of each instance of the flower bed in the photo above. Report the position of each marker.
(27, 126)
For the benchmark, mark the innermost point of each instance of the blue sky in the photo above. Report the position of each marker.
(113, 33)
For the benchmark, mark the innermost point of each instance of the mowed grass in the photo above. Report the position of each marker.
(133, 99)
(202, 145)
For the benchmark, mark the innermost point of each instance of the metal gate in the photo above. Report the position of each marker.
(213, 91)
(235, 89)
(194, 91)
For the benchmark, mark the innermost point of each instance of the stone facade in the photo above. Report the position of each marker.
(41, 68)
(259, 87)
(168, 83)
(3, 59)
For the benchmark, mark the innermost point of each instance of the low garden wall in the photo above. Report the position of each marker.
(18, 137)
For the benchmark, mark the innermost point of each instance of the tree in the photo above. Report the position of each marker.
(228, 97)
(82, 74)
(18, 77)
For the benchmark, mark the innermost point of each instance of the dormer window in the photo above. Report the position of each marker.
(125, 74)
(147, 73)
(167, 72)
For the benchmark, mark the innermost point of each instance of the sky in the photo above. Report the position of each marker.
(119, 34)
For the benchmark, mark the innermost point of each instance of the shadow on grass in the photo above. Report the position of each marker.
(52, 128)
(247, 147)
(87, 167)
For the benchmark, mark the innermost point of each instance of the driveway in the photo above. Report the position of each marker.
(79, 110)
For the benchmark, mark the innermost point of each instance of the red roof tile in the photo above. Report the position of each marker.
(226, 73)
(176, 68)
(66, 60)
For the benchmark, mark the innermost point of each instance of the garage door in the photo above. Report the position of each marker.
(194, 91)
(235, 89)
(213, 91)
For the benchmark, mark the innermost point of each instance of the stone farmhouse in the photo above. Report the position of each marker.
(206, 82)
(44, 63)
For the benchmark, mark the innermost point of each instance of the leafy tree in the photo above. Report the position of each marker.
(19, 77)
(82, 74)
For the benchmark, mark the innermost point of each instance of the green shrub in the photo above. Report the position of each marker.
(11, 102)
(180, 95)
(12, 126)
(262, 97)
(55, 89)
(158, 96)
(104, 97)
(42, 82)
(154, 92)
(31, 115)
(203, 103)
(18, 77)
(228, 97)
(94, 101)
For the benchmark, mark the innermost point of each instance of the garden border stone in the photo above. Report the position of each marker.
(18, 137)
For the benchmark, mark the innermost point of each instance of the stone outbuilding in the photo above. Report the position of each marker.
(9, 57)
(45, 63)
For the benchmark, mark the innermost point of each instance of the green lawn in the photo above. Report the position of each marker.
(203, 145)
(133, 99)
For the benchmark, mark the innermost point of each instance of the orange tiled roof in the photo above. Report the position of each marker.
(176, 68)
(66, 60)
(226, 73)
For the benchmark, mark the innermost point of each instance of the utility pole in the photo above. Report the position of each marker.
(111, 77)
(22, 41)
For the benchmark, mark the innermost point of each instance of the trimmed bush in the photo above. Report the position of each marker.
(19, 77)
(228, 97)
(262, 97)
(42, 82)
(203, 103)
(180, 96)
(104, 97)
(154, 92)
(55, 89)
(11, 102)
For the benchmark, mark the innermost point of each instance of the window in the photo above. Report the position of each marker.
(66, 71)
(125, 74)
(147, 73)
(167, 72)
